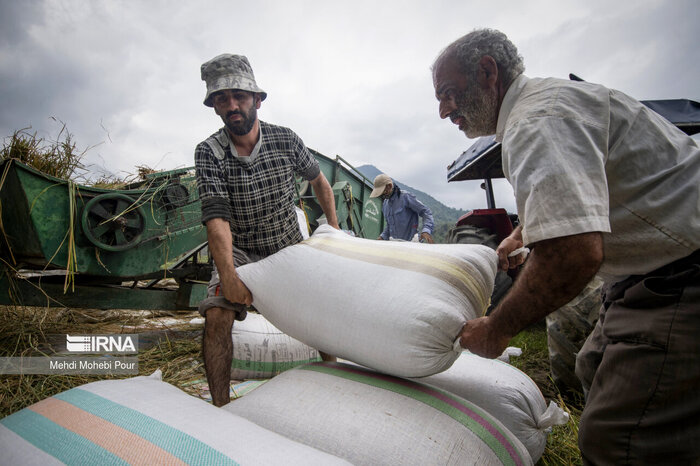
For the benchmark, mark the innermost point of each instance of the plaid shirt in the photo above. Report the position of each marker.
(254, 194)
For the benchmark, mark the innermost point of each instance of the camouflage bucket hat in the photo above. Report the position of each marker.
(229, 72)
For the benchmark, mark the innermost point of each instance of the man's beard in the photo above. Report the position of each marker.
(480, 112)
(243, 126)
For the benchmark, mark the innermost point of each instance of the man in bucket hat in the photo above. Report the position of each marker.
(401, 210)
(245, 175)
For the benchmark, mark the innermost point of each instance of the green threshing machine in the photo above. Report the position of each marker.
(65, 244)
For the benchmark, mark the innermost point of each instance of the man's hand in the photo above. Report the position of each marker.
(557, 270)
(509, 244)
(426, 238)
(481, 338)
(235, 290)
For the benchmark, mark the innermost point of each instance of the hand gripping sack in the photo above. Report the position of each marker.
(145, 421)
(397, 307)
(368, 418)
(507, 393)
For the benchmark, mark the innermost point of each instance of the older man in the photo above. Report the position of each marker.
(245, 174)
(402, 210)
(604, 186)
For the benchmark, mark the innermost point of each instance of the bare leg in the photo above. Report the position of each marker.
(217, 350)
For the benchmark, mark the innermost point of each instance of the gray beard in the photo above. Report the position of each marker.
(480, 111)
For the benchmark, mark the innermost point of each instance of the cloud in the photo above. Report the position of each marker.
(351, 78)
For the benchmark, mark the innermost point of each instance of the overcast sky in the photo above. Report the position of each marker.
(352, 78)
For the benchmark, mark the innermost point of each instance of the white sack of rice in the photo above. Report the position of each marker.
(145, 421)
(261, 350)
(507, 393)
(370, 418)
(397, 307)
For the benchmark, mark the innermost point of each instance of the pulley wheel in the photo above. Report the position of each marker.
(112, 222)
(176, 195)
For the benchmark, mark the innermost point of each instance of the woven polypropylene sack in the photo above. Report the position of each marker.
(397, 307)
(507, 393)
(141, 421)
(261, 350)
(303, 223)
(370, 418)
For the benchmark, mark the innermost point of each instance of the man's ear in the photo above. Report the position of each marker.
(258, 101)
(488, 72)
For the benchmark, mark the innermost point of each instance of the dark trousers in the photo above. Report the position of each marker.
(640, 368)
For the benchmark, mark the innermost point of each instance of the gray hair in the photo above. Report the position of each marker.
(469, 49)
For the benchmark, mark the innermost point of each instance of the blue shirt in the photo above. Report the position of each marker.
(401, 212)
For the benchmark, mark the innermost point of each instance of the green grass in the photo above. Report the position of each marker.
(562, 442)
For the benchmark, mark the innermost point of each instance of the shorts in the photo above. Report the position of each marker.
(215, 297)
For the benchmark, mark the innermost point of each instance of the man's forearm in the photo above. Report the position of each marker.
(428, 222)
(517, 233)
(326, 199)
(555, 273)
(221, 245)
(221, 249)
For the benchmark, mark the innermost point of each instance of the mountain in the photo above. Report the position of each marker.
(443, 216)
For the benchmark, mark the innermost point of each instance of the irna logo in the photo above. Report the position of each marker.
(101, 343)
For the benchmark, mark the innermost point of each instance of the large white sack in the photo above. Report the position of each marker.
(507, 393)
(261, 350)
(397, 307)
(370, 418)
(141, 421)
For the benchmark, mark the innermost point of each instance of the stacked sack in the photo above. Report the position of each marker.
(261, 351)
(506, 393)
(396, 307)
(141, 421)
(369, 418)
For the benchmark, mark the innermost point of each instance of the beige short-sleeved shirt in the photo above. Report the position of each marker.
(584, 158)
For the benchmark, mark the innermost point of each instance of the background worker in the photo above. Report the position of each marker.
(245, 176)
(604, 186)
(401, 210)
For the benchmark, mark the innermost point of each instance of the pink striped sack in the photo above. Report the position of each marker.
(370, 418)
(506, 392)
(141, 421)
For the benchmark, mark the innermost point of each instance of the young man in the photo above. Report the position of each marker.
(401, 210)
(245, 175)
(604, 186)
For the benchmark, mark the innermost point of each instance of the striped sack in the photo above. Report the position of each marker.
(397, 307)
(260, 350)
(370, 418)
(141, 421)
(509, 394)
